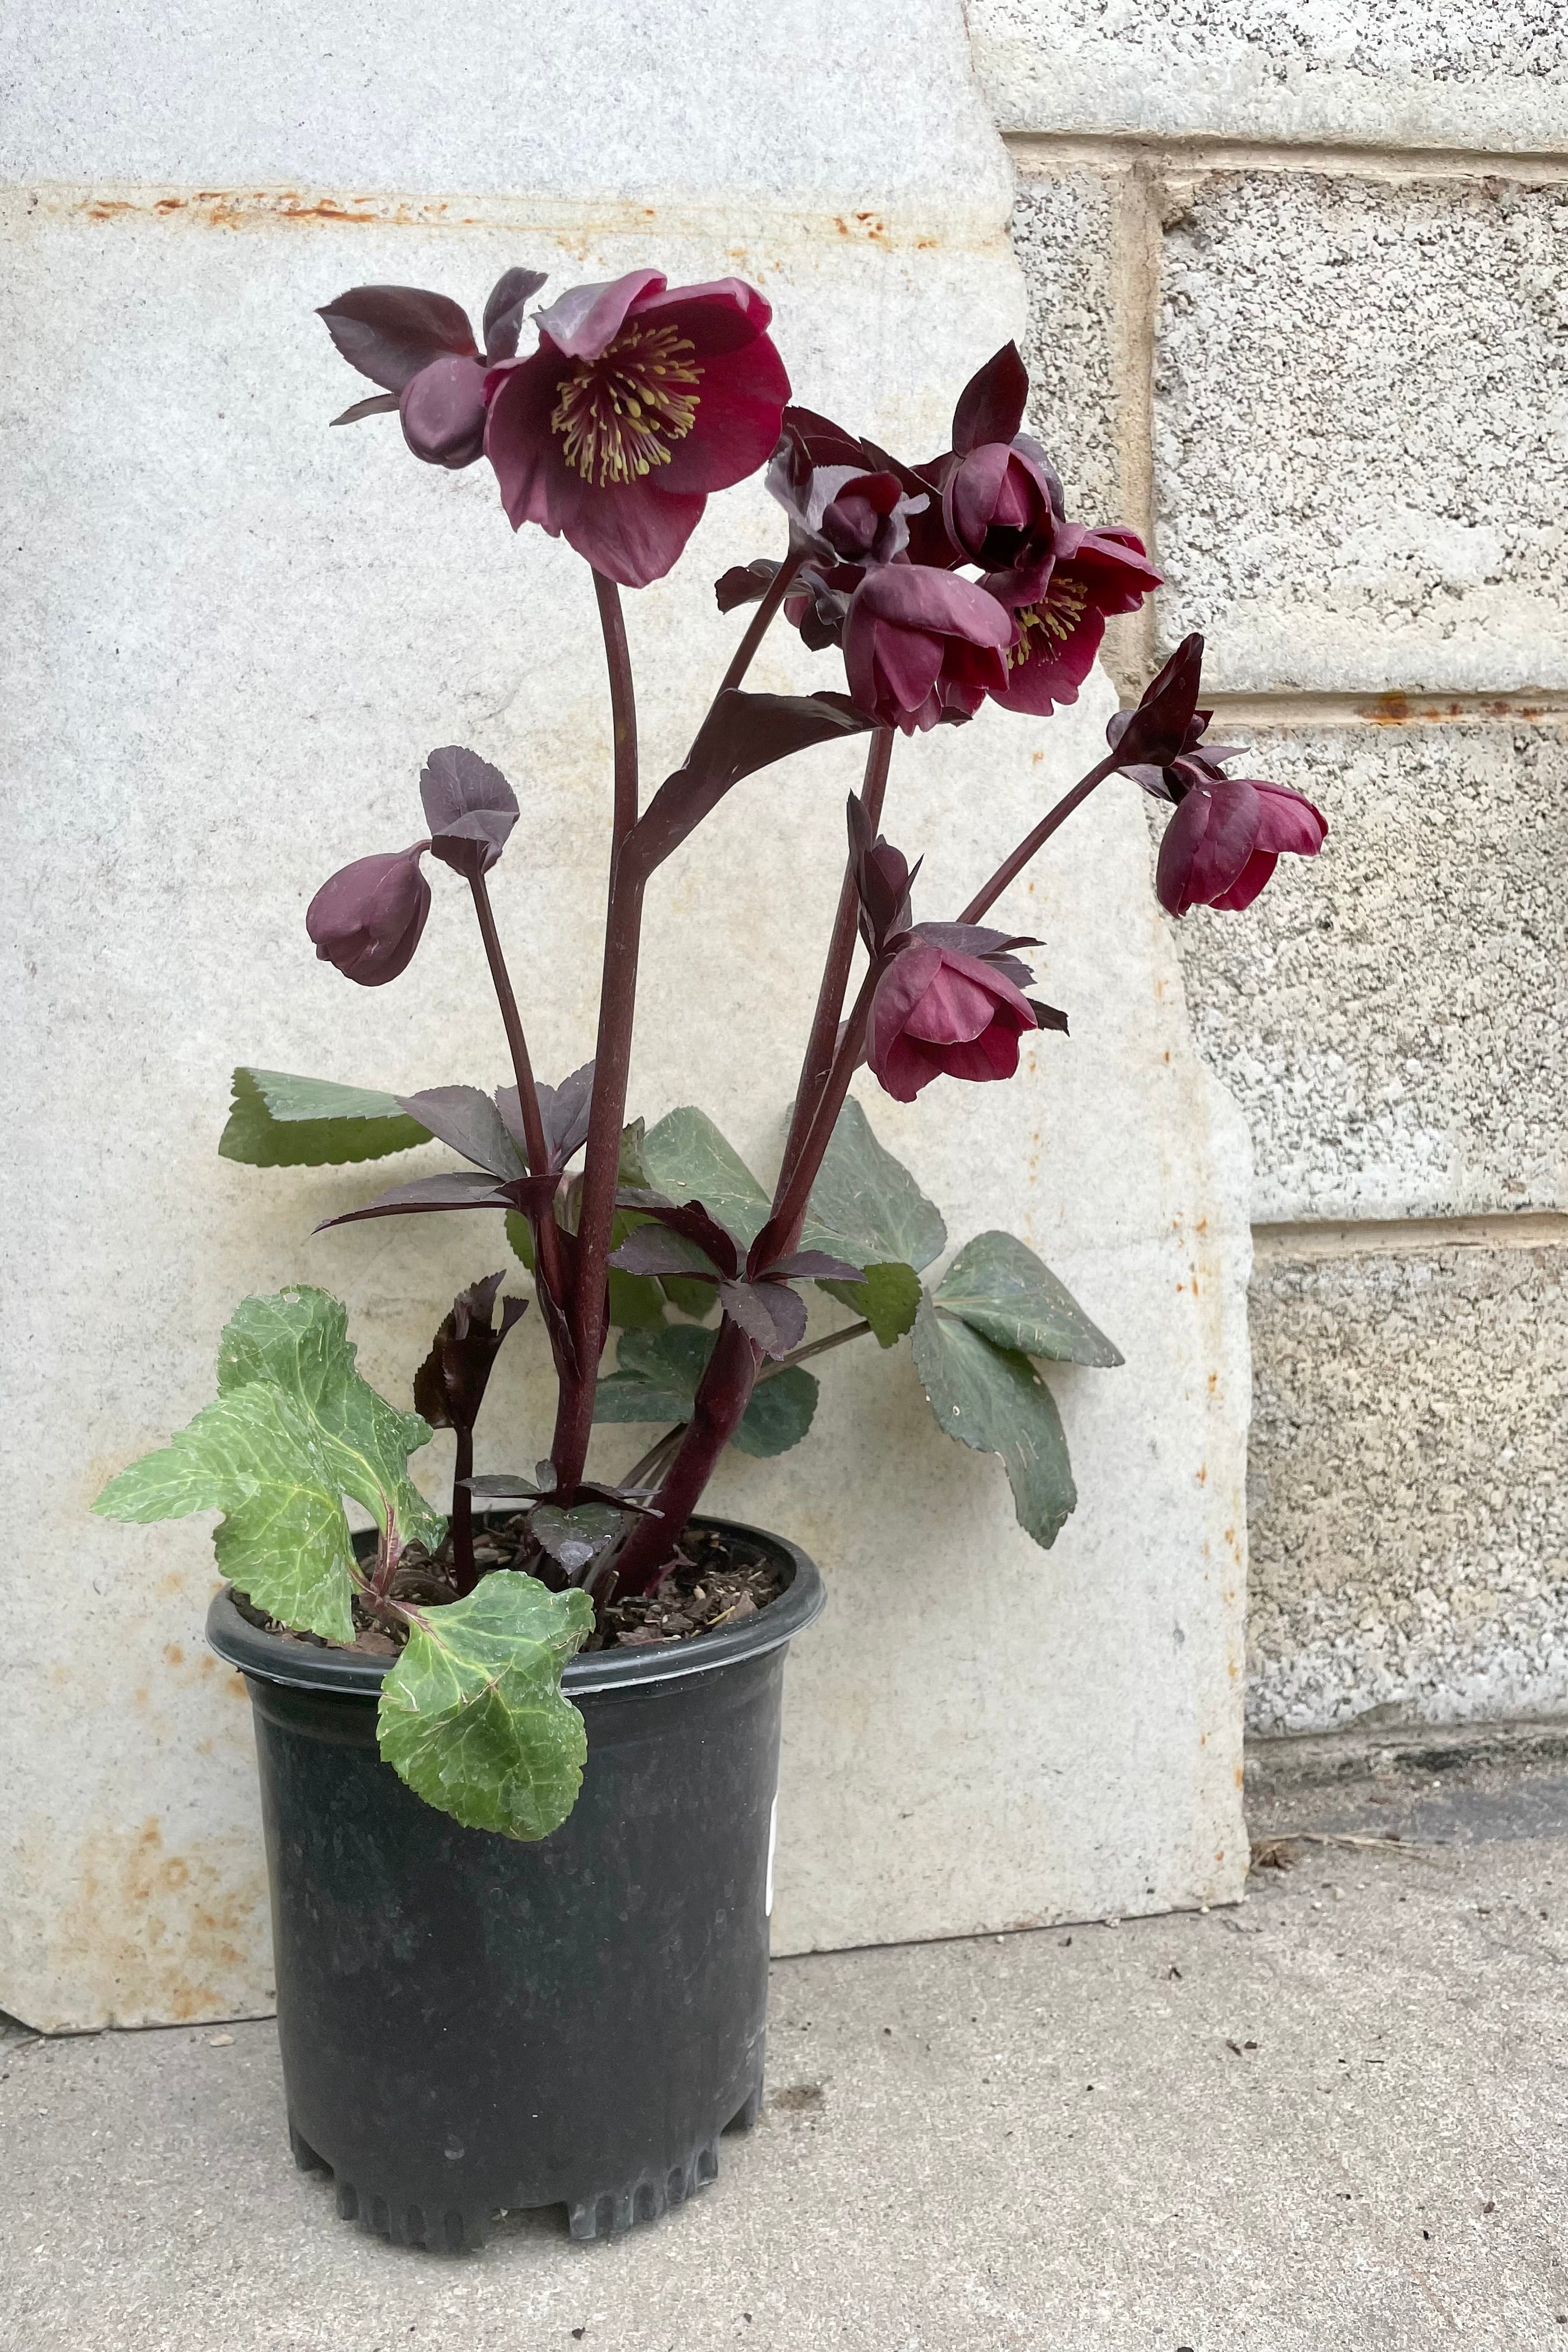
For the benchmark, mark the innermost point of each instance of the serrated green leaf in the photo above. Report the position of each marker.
(780, 1412)
(686, 1159)
(293, 1429)
(887, 1298)
(277, 1120)
(473, 1715)
(866, 1206)
(298, 1342)
(1006, 1293)
(519, 1237)
(993, 1398)
(657, 1376)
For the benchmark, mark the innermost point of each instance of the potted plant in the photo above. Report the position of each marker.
(518, 1759)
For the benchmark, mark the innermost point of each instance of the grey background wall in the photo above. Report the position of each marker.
(1298, 287)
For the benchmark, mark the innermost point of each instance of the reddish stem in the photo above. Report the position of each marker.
(773, 595)
(548, 1239)
(465, 1575)
(824, 1037)
(1011, 868)
(623, 710)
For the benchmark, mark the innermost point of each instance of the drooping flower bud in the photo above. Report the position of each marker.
(921, 645)
(937, 1013)
(367, 918)
(443, 411)
(1226, 839)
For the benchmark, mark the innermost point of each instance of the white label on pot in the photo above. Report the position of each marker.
(772, 1841)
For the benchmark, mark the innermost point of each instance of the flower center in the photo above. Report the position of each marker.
(1053, 619)
(617, 415)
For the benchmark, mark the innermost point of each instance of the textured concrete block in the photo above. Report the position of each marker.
(1362, 432)
(1417, 73)
(1409, 1513)
(1389, 1018)
(1063, 229)
(234, 639)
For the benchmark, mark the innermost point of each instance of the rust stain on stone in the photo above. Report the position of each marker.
(150, 1933)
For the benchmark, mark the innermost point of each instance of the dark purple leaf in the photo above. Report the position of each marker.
(688, 1217)
(378, 404)
(816, 1265)
(470, 807)
(743, 583)
(425, 1195)
(1048, 1016)
(990, 405)
(468, 1121)
(742, 733)
(768, 1312)
(390, 332)
(510, 297)
(450, 1386)
(564, 1111)
(659, 1249)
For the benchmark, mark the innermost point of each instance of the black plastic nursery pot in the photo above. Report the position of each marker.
(471, 2025)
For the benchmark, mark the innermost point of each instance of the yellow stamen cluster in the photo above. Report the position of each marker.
(1056, 617)
(617, 414)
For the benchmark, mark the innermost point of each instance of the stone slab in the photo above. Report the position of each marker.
(1389, 1018)
(235, 638)
(1064, 234)
(1409, 1538)
(1362, 432)
(1335, 2118)
(1477, 74)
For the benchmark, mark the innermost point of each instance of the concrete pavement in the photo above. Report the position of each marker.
(1334, 2117)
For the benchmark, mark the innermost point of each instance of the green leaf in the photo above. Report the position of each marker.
(519, 1237)
(888, 1299)
(779, 1414)
(636, 1302)
(1006, 1293)
(279, 1122)
(294, 1428)
(993, 1398)
(473, 1715)
(686, 1159)
(574, 1537)
(866, 1206)
(656, 1380)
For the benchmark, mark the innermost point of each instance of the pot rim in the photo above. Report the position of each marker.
(299, 1665)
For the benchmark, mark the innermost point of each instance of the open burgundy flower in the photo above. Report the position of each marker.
(921, 645)
(1226, 839)
(641, 399)
(367, 918)
(938, 1012)
(1095, 573)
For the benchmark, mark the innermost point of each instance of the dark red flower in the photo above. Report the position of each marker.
(641, 401)
(1096, 573)
(921, 645)
(999, 504)
(941, 1013)
(367, 918)
(1226, 839)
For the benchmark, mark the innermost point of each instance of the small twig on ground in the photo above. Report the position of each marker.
(1272, 1854)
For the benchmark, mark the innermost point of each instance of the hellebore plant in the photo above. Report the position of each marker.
(943, 585)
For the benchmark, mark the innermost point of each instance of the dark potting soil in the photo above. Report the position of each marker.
(715, 1581)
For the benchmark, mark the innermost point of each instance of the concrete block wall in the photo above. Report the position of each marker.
(1298, 289)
